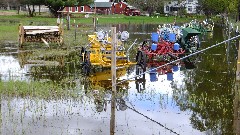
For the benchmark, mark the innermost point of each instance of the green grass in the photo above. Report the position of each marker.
(102, 19)
(141, 19)
(8, 33)
(44, 90)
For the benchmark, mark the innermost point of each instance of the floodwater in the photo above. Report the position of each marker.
(195, 100)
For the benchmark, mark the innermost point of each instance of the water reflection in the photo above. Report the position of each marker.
(136, 31)
(99, 85)
(208, 90)
(10, 69)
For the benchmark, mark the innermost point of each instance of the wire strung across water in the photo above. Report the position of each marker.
(151, 119)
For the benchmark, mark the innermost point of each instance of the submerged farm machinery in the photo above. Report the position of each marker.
(202, 26)
(163, 46)
(98, 52)
(189, 40)
(157, 49)
(167, 44)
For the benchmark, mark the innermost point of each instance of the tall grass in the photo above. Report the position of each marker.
(42, 90)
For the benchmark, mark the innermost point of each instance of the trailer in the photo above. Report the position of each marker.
(40, 34)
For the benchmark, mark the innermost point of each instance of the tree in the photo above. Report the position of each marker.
(9, 4)
(31, 5)
(147, 5)
(219, 7)
(58, 5)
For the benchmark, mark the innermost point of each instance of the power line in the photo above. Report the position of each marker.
(153, 120)
(200, 51)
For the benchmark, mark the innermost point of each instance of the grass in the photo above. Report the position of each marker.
(44, 90)
(102, 19)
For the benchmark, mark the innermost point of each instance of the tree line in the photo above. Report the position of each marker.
(53, 5)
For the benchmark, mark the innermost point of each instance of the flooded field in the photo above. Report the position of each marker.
(196, 98)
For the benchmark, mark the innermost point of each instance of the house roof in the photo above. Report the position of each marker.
(102, 4)
(131, 7)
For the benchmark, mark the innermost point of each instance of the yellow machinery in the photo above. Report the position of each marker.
(98, 51)
(43, 34)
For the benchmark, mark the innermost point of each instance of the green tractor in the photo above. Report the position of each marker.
(189, 40)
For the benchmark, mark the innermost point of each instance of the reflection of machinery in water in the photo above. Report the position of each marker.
(159, 68)
(167, 69)
(140, 80)
(99, 86)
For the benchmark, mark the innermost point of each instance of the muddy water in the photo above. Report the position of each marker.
(190, 101)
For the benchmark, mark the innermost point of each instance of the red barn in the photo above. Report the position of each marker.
(105, 8)
(101, 8)
(118, 8)
(132, 11)
(85, 8)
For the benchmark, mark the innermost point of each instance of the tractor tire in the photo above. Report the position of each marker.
(141, 60)
(81, 53)
(86, 66)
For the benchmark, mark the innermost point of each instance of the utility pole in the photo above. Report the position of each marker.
(238, 63)
(68, 20)
(94, 19)
(236, 101)
(113, 70)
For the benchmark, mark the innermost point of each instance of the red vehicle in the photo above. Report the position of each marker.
(131, 11)
(157, 50)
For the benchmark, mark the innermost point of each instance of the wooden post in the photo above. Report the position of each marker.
(68, 21)
(94, 19)
(238, 63)
(236, 108)
(21, 35)
(75, 33)
(236, 103)
(113, 70)
(1, 113)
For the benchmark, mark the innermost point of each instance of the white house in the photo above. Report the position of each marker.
(173, 6)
